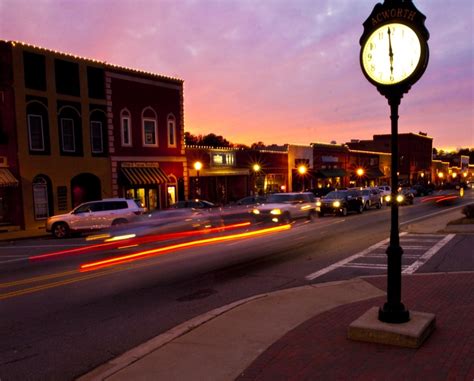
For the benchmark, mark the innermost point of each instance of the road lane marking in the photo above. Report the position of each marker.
(372, 266)
(374, 252)
(408, 256)
(336, 265)
(406, 247)
(14, 260)
(49, 285)
(425, 257)
(41, 246)
(430, 215)
(37, 279)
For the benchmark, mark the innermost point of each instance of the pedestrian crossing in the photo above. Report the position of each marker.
(417, 250)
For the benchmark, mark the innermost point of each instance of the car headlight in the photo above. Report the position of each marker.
(256, 211)
(318, 203)
(400, 198)
(336, 204)
(388, 198)
(275, 212)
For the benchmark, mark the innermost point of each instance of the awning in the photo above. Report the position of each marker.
(7, 179)
(335, 172)
(144, 175)
(220, 172)
(372, 173)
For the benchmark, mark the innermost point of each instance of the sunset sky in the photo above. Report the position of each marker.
(277, 71)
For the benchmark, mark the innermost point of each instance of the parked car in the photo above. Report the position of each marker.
(420, 190)
(94, 215)
(285, 207)
(385, 189)
(340, 202)
(320, 192)
(194, 204)
(404, 197)
(372, 198)
(251, 200)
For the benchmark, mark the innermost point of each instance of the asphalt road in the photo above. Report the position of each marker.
(57, 323)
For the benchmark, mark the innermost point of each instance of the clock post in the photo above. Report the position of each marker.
(394, 55)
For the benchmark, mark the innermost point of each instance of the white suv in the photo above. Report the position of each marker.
(285, 207)
(94, 215)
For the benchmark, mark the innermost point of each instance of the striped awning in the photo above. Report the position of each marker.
(7, 179)
(144, 175)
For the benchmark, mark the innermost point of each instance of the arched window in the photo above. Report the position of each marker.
(38, 127)
(126, 128)
(171, 130)
(150, 128)
(70, 131)
(98, 132)
(40, 197)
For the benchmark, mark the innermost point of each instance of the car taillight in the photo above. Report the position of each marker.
(137, 213)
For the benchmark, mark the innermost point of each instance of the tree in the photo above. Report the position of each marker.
(258, 145)
(213, 140)
(190, 139)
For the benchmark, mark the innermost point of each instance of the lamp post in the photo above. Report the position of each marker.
(197, 167)
(256, 169)
(394, 55)
(302, 171)
(360, 172)
(440, 177)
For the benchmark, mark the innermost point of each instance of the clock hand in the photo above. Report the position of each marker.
(390, 51)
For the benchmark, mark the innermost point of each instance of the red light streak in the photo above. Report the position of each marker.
(136, 241)
(446, 198)
(162, 250)
(72, 251)
(431, 198)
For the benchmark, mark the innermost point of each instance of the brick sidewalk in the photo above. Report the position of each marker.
(319, 350)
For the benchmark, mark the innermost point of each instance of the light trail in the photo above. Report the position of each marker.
(135, 241)
(162, 250)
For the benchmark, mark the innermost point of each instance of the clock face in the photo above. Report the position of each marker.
(391, 54)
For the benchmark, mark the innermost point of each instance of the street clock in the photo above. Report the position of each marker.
(394, 50)
(393, 56)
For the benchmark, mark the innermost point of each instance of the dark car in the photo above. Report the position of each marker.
(404, 197)
(320, 192)
(251, 200)
(340, 202)
(420, 190)
(194, 204)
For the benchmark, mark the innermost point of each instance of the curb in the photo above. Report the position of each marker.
(115, 365)
(108, 369)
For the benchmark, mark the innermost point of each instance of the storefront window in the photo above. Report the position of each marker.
(171, 195)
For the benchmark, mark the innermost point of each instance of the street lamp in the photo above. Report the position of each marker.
(302, 171)
(394, 55)
(360, 172)
(197, 167)
(256, 169)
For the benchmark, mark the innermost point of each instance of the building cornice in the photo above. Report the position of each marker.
(106, 65)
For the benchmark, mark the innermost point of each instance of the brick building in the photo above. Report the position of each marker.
(330, 165)
(228, 174)
(74, 129)
(415, 153)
